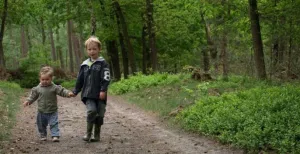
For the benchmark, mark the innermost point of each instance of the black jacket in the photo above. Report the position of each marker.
(92, 80)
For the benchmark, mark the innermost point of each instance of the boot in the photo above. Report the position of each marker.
(88, 135)
(96, 133)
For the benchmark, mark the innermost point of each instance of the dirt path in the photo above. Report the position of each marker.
(127, 130)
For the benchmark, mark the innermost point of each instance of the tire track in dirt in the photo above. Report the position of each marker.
(126, 130)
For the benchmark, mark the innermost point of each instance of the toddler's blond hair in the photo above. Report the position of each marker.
(47, 70)
(93, 39)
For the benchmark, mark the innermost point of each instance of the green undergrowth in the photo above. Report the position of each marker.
(140, 81)
(70, 84)
(9, 104)
(259, 116)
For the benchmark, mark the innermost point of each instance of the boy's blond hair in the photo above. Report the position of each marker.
(92, 39)
(47, 70)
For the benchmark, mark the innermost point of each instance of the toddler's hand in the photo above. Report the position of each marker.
(26, 104)
(71, 94)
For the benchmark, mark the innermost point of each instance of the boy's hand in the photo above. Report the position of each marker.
(71, 94)
(26, 104)
(102, 95)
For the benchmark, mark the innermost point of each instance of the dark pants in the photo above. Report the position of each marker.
(43, 119)
(95, 111)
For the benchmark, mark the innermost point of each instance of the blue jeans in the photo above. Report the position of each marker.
(43, 119)
(95, 111)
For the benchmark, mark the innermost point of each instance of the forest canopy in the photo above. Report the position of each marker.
(254, 38)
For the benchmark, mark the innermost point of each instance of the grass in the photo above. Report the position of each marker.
(9, 104)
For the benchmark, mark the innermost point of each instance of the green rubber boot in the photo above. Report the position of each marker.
(97, 130)
(89, 129)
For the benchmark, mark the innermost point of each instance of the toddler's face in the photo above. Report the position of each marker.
(45, 80)
(93, 50)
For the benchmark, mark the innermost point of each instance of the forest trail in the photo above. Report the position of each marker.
(126, 130)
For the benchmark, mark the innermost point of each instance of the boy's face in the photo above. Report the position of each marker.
(45, 79)
(93, 50)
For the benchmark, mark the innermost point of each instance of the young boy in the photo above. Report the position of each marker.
(93, 79)
(46, 95)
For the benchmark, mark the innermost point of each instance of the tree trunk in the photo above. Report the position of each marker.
(226, 16)
(126, 36)
(59, 51)
(3, 19)
(112, 46)
(76, 50)
(145, 51)
(81, 43)
(123, 48)
(289, 58)
(53, 51)
(224, 56)
(210, 45)
(28, 37)
(257, 41)
(281, 51)
(206, 64)
(71, 64)
(43, 30)
(151, 34)
(24, 45)
(93, 19)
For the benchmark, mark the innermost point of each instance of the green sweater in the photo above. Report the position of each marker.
(47, 97)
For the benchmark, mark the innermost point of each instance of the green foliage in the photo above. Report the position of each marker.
(29, 80)
(259, 118)
(139, 81)
(9, 105)
(68, 84)
(28, 73)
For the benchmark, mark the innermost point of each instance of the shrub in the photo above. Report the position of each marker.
(259, 118)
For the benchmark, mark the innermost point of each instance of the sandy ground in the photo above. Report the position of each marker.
(126, 130)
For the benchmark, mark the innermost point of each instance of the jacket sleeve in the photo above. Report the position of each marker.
(79, 81)
(61, 91)
(105, 77)
(33, 95)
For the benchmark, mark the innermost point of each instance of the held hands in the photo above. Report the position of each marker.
(71, 94)
(102, 95)
(26, 103)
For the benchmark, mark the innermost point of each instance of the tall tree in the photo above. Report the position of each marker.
(206, 63)
(111, 43)
(124, 50)
(70, 29)
(53, 50)
(126, 36)
(257, 41)
(59, 50)
(3, 19)
(69, 26)
(151, 34)
(225, 17)
(146, 56)
(93, 19)
(76, 49)
(24, 45)
(43, 30)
